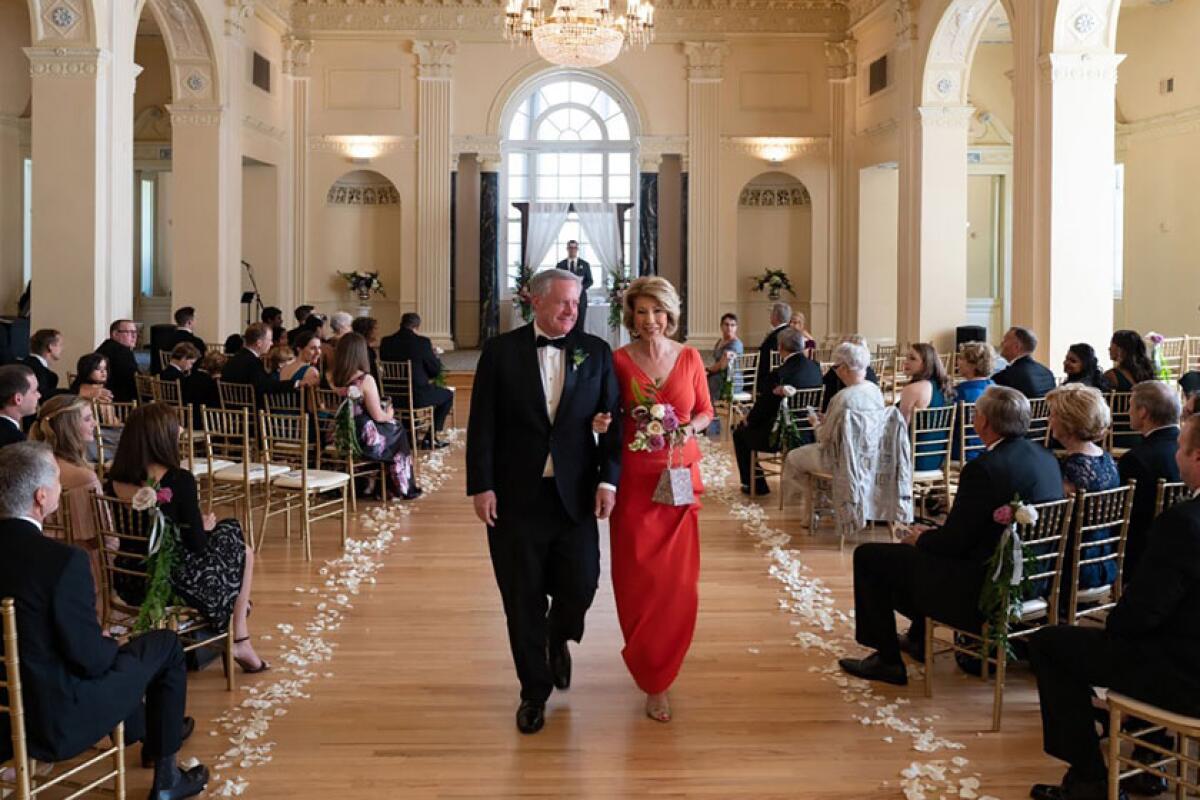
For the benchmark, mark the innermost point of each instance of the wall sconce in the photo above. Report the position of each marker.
(774, 153)
(362, 149)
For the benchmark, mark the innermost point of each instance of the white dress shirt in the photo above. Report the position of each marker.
(552, 366)
(39, 358)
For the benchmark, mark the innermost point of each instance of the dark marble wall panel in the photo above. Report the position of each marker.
(648, 224)
(683, 245)
(490, 279)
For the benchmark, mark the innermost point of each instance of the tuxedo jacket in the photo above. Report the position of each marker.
(184, 335)
(1026, 376)
(405, 345)
(47, 379)
(1147, 461)
(583, 269)
(247, 367)
(1156, 623)
(63, 655)
(798, 371)
(10, 434)
(510, 433)
(122, 367)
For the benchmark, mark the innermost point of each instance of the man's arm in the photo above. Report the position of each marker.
(956, 536)
(81, 644)
(429, 359)
(609, 403)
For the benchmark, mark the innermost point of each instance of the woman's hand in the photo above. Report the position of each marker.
(209, 520)
(600, 423)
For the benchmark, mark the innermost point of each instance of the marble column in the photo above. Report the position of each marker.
(843, 185)
(70, 237)
(433, 188)
(685, 267)
(704, 157)
(491, 285)
(648, 216)
(296, 54)
(908, 249)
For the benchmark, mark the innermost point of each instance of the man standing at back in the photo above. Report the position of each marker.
(407, 344)
(582, 270)
(1023, 373)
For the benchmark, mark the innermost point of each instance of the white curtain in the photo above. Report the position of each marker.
(603, 231)
(545, 221)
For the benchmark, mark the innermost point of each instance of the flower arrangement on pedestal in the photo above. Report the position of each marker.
(363, 284)
(773, 281)
(522, 300)
(1006, 583)
(618, 284)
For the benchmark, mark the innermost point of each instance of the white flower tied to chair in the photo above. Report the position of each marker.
(146, 499)
(1023, 515)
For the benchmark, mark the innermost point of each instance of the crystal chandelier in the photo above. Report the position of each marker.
(579, 33)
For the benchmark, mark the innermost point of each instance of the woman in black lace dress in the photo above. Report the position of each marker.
(215, 567)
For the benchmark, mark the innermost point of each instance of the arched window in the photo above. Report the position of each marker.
(567, 138)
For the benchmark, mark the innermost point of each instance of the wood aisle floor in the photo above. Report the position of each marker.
(418, 698)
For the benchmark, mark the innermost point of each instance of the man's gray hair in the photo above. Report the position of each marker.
(853, 357)
(1026, 337)
(781, 313)
(1007, 411)
(341, 321)
(1158, 400)
(25, 467)
(791, 340)
(539, 284)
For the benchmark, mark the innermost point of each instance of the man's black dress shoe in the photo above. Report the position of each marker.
(1073, 789)
(531, 716)
(189, 726)
(912, 648)
(763, 488)
(560, 665)
(188, 783)
(873, 668)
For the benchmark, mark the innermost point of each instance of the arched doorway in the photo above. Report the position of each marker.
(16, 168)
(774, 231)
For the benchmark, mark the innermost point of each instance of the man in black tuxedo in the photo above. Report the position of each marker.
(185, 323)
(272, 317)
(754, 433)
(1154, 413)
(45, 348)
(1023, 373)
(540, 479)
(939, 572)
(407, 344)
(122, 365)
(781, 315)
(18, 400)
(1149, 648)
(247, 367)
(582, 270)
(78, 684)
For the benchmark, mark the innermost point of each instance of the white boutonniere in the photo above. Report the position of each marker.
(577, 358)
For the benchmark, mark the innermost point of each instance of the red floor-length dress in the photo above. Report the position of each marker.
(656, 548)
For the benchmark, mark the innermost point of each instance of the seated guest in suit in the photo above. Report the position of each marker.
(18, 399)
(860, 395)
(1153, 413)
(929, 387)
(781, 315)
(407, 344)
(939, 572)
(272, 317)
(201, 388)
(91, 375)
(1131, 362)
(247, 366)
(45, 349)
(1023, 373)
(234, 344)
(183, 358)
(122, 365)
(796, 371)
(301, 314)
(1079, 420)
(1081, 366)
(368, 328)
(185, 324)
(78, 683)
(833, 384)
(1149, 648)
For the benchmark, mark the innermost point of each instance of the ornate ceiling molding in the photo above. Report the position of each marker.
(296, 53)
(788, 147)
(341, 145)
(197, 116)
(486, 147)
(66, 62)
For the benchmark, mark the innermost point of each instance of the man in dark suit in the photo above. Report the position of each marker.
(45, 349)
(18, 400)
(407, 344)
(1154, 413)
(1023, 373)
(939, 572)
(301, 314)
(272, 317)
(247, 367)
(754, 433)
(582, 270)
(185, 323)
(78, 684)
(1149, 648)
(122, 365)
(781, 315)
(540, 479)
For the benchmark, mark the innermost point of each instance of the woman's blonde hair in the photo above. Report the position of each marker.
(980, 356)
(1081, 410)
(661, 292)
(278, 356)
(57, 425)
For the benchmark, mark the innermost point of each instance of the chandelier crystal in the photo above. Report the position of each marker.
(579, 33)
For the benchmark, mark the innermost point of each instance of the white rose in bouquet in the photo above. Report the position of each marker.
(658, 411)
(145, 499)
(655, 429)
(1026, 515)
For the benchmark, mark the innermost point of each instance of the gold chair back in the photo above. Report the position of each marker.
(293, 402)
(285, 439)
(164, 358)
(932, 435)
(1039, 420)
(145, 387)
(1170, 493)
(1045, 544)
(1192, 353)
(888, 351)
(948, 360)
(966, 433)
(236, 395)
(1118, 407)
(1174, 355)
(59, 525)
(880, 364)
(170, 392)
(110, 422)
(396, 382)
(822, 354)
(776, 360)
(1106, 512)
(228, 434)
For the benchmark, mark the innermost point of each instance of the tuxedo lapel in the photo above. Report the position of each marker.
(527, 357)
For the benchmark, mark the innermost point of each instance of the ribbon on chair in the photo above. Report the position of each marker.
(1010, 538)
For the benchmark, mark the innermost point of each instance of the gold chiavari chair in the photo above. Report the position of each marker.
(169, 392)
(59, 525)
(822, 355)
(285, 402)
(228, 437)
(236, 396)
(1191, 353)
(123, 540)
(900, 378)
(79, 776)
(1118, 407)
(745, 372)
(1105, 512)
(1170, 493)
(396, 382)
(776, 360)
(948, 361)
(285, 442)
(1039, 420)
(1045, 545)
(879, 366)
(145, 387)
(1178, 767)
(968, 442)
(110, 422)
(889, 351)
(771, 463)
(932, 437)
(325, 404)
(1174, 355)
(164, 359)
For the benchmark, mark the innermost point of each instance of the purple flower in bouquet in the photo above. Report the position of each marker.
(657, 443)
(670, 421)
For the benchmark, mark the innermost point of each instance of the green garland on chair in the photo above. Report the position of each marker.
(786, 434)
(345, 434)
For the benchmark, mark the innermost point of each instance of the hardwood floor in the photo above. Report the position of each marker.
(417, 695)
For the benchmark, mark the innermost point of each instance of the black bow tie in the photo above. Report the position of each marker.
(560, 342)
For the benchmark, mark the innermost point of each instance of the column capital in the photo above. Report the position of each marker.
(296, 53)
(840, 57)
(66, 62)
(489, 162)
(649, 162)
(1081, 67)
(651, 150)
(484, 147)
(197, 116)
(945, 116)
(236, 14)
(435, 59)
(705, 60)
(904, 14)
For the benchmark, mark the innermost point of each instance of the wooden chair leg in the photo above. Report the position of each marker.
(345, 519)
(307, 525)
(353, 490)
(998, 692)
(983, 655)
(119, 760)
(753, 476)
(929, 624)
(1114, 753)
(1182, 770)
(230, 680)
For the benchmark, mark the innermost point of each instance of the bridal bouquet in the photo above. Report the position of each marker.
(658, 428)
(162, 554)
(1005, 585)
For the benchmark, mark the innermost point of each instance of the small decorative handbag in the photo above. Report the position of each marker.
(674, 484)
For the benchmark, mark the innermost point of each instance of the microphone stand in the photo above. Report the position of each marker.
(257, 295)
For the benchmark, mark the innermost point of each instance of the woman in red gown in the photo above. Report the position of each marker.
(656, 548)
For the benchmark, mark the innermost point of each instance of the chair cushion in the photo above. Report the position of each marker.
(318, 479)
(201, 466)
(1033, 609)
(928, 475)
(1094, 595)
(742, 397)
(233, 473)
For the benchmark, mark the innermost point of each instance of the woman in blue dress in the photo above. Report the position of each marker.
(929, 387)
